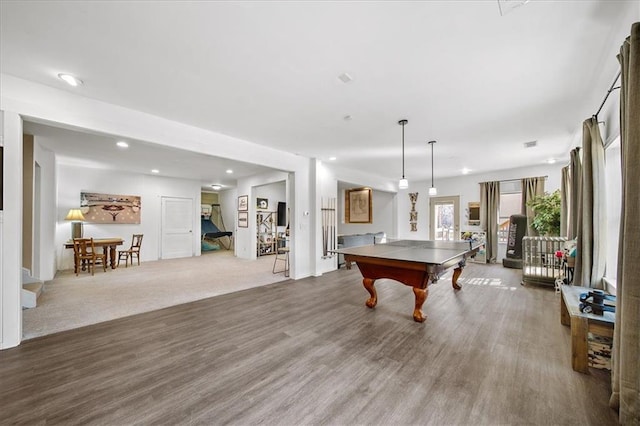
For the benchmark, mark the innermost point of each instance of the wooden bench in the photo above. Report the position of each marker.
(581, 324)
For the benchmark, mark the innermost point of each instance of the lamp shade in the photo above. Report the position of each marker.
(403, 184)
(74, 214)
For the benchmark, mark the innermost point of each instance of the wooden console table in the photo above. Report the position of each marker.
(581, 324)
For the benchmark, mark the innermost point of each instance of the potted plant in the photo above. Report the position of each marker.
(546, 209)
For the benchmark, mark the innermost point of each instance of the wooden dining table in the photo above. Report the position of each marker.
(108, 246)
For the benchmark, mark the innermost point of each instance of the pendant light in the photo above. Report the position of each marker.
(432, 191)
(403, 184)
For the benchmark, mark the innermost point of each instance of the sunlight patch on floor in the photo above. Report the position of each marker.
(488, 282)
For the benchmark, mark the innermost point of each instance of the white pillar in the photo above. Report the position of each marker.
(11, 233)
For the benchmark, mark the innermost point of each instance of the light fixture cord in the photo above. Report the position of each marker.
(431, 143)
(402, 150)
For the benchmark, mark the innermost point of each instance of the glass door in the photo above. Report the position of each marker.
(444, 214)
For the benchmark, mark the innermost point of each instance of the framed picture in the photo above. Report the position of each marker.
(110, 208)
(263, 203)
(357, 206)
(243, 219)
(243, 203)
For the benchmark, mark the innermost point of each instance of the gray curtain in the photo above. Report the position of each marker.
(575, 192)
(590, 260)
(625, 373)
(531, 188)
(565, 195)
(489, 207)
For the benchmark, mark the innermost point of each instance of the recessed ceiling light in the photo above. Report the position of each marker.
(216, 187)
(347, 118)
(155, 171)
(70, 80)
(332, 158)
(551, 161)
(122, 144)
(229, 171)
(465, 171)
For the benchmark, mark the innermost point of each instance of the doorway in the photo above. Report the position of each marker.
(444, 222)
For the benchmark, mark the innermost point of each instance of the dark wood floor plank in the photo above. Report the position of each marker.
(310, 352)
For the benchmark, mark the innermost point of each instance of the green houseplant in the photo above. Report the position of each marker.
(546, 209)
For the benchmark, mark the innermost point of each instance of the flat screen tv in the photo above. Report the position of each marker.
(282, 214)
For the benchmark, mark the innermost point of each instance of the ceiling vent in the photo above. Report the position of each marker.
(506, 6)
(531, 144)
(345, 78)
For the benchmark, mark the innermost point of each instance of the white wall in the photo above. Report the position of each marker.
(326, 193)
(228, 205)
(383, 203)
(273, 192)
(73, 180)
(245, 239)
(468, 188)
(47, 195)
(11, 261)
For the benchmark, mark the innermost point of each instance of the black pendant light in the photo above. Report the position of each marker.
(432, 191)
(404, 183)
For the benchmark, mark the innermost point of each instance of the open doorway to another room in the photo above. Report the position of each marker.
(271, 218)
(215, 236)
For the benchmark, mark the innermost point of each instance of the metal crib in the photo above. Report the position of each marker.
(539, 262)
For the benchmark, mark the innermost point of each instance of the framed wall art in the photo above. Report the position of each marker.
(243, 219)
(110, 208)
(358, 205)
(263, 203)
(243, 203)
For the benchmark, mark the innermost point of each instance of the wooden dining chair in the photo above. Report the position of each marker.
(85, 254)
(134, 250)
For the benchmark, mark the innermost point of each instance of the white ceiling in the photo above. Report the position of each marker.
(97, 151)
(479, 83)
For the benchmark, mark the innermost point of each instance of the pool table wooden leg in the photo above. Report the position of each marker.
(368, 285)
(421, 296)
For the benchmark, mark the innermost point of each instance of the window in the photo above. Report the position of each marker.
(510, 203)
(613, 179)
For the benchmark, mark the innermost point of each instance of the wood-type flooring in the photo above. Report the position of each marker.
(309, 352)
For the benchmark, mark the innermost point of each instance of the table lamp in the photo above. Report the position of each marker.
(75, 215)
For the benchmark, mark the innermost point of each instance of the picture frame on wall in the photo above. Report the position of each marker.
(243, 203)
(262, 203)
(243, 219)
(358, 205)
(110, 208)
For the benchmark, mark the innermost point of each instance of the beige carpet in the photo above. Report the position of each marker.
(71, 301)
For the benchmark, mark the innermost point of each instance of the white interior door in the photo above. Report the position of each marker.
(444, 223)
(177, 228)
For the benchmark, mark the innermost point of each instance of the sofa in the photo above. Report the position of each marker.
(355, 240)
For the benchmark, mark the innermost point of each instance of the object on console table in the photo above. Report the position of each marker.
(582, 324)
